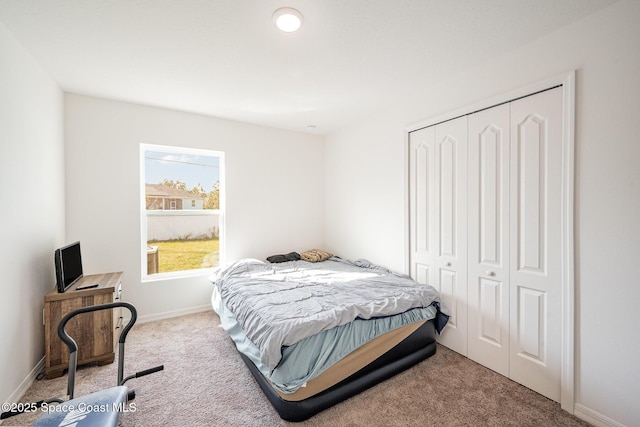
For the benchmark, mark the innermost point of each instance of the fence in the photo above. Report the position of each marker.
(179, 225)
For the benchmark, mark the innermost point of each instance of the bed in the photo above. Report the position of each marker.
(316, 333)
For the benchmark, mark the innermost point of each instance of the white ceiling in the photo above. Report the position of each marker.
(225, 58)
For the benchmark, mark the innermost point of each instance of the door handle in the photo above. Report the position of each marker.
(491, 273)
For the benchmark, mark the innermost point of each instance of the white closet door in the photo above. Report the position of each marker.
(488, 292)
(451, 210)
(422, 217)
(535, 242)
(438, 223)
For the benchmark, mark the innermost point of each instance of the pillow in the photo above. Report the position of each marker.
(291, 256)
(276, 258)
(315, 255)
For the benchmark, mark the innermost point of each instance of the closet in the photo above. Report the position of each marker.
(485, 225)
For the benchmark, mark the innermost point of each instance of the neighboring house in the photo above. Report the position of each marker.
(164, 197)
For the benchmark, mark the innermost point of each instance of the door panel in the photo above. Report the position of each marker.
(451, 208)
(490, 307)
(447, 191)
(531, 147)
(531, 325)
(535, 242)
(489, 139)
(448, 289)
(421, 205)
(422, 274)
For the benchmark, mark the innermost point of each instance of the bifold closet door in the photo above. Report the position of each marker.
(535, 242)
(438, 223)
(488, 227)
(486, 232)
(422, 216)
(515, 195)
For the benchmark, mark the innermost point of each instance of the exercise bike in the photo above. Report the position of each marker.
(101, 408)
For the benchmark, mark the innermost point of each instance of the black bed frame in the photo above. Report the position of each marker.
(418, 346)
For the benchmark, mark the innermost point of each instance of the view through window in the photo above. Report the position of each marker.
(182, 213)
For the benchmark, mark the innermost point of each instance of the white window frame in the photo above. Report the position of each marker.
(143, 213)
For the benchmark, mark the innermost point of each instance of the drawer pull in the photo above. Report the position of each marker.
(120, 321)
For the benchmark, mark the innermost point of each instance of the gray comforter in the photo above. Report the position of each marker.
(280, 304)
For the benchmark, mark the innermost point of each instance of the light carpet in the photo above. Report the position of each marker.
(205, 383)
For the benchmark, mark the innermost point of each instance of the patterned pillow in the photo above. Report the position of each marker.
(315, 255)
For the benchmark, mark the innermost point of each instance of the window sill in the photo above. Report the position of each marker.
(159, 277)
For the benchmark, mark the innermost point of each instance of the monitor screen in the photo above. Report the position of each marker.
(68, 262)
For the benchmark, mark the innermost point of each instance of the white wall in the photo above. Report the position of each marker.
(366, 217)
(274, 191)
(31, 208)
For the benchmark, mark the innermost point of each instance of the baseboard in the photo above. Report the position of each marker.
(26, 383)
(593, 417)
(174, 313)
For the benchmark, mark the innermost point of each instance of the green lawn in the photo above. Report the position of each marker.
(179, 255)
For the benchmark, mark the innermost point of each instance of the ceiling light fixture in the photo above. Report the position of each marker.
(287, 19)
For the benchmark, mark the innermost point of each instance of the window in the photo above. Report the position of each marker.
(182, 211)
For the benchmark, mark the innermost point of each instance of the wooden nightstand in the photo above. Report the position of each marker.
(95, 333)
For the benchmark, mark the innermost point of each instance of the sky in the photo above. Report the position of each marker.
(189, 168)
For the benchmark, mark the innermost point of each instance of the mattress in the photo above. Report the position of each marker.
(418, 346)
(330, 364)
(302, 362)
(352, 363)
